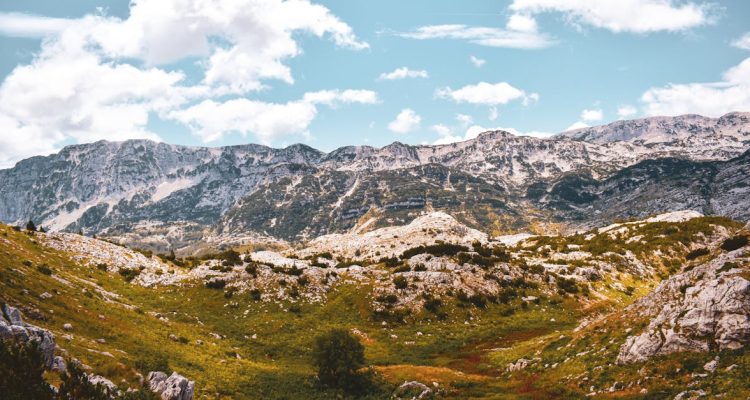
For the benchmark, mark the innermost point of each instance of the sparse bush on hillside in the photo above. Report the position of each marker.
(21, 369)
(30, 226)
(129, 273)
(400, 282)
(567, 285)
(734, 243)
(437, 250)
(337, 356)
(44, 268)
(216, 284)
(697, 253)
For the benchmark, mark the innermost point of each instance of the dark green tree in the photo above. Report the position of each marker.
(338, 356)
(30, 226)
(21, 369)
(77, 386)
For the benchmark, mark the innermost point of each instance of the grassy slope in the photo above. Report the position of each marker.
(465, 354)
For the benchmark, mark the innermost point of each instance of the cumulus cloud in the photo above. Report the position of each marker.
(406, 121)
(712, 99)
(483, 36)
(478, 62)
(592, 115)
(490, 94)
(403, 73)
(743, 42)
(638, 16)
(102, 77)
(626, 110)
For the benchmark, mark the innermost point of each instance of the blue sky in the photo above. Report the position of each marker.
(280, 73)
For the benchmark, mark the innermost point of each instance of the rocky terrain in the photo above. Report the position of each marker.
(444, 310)
(174, 197)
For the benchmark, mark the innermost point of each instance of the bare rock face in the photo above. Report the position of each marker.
(174, 387)
(707, 308)
(13, 327)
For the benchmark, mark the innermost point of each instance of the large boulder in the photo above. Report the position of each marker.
(174, 387)
(704, 309)
(13, 327)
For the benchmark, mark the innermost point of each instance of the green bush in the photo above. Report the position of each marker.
(697, 253)
(44, 268)
(400, 282)
(21, 369)
(337, 356)
(734, 243)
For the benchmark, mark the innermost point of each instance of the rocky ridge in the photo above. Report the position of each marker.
(496, 180)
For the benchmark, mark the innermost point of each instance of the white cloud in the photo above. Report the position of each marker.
(406, 121)
(577, 125)
(639, 16)
(710, 99)
(483, 36)
(464, 120)
(211, 120)
(98, 77)
(521, 23)
(490, 94)
(626, 110)
(402, 73)
(334, 97)
(32, 26)
(592, 115)
(742, 42)
(478, 62)
(441, 130)
(493, 114)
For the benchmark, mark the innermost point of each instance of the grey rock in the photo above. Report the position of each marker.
(68, 327)
(58, 364)
(415, 390)
(174, 387)
(713, 312)
(12, 327)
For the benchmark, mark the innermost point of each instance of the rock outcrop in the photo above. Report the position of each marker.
(174, 387)
(412, 390)
(13, 327)
(704, 309)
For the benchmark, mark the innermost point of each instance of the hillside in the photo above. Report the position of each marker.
(527, 316)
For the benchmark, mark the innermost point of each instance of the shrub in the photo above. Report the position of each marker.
(400, 282)
(252, 269)
(76, 385)
(216, 284)
(303, 281)
(44, 268)
(102, 266)
(129, 274)
(388, 299)
(734, 243)
(402, 268)
(567, 285)
(697, 253)
(30, 226)
(27, 263)
(255, 294)
(21, 369)
(338, 355)
(437, 250)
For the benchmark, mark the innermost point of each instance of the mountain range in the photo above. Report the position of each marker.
(171, 197)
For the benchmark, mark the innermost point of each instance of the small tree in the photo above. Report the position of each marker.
(21, 369)
(338, 355)
(30, 226)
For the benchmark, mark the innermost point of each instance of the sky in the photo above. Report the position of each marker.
(331, 73)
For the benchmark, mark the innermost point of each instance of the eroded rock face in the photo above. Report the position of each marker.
(704, 309)
(174, 387)
(13, 327)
